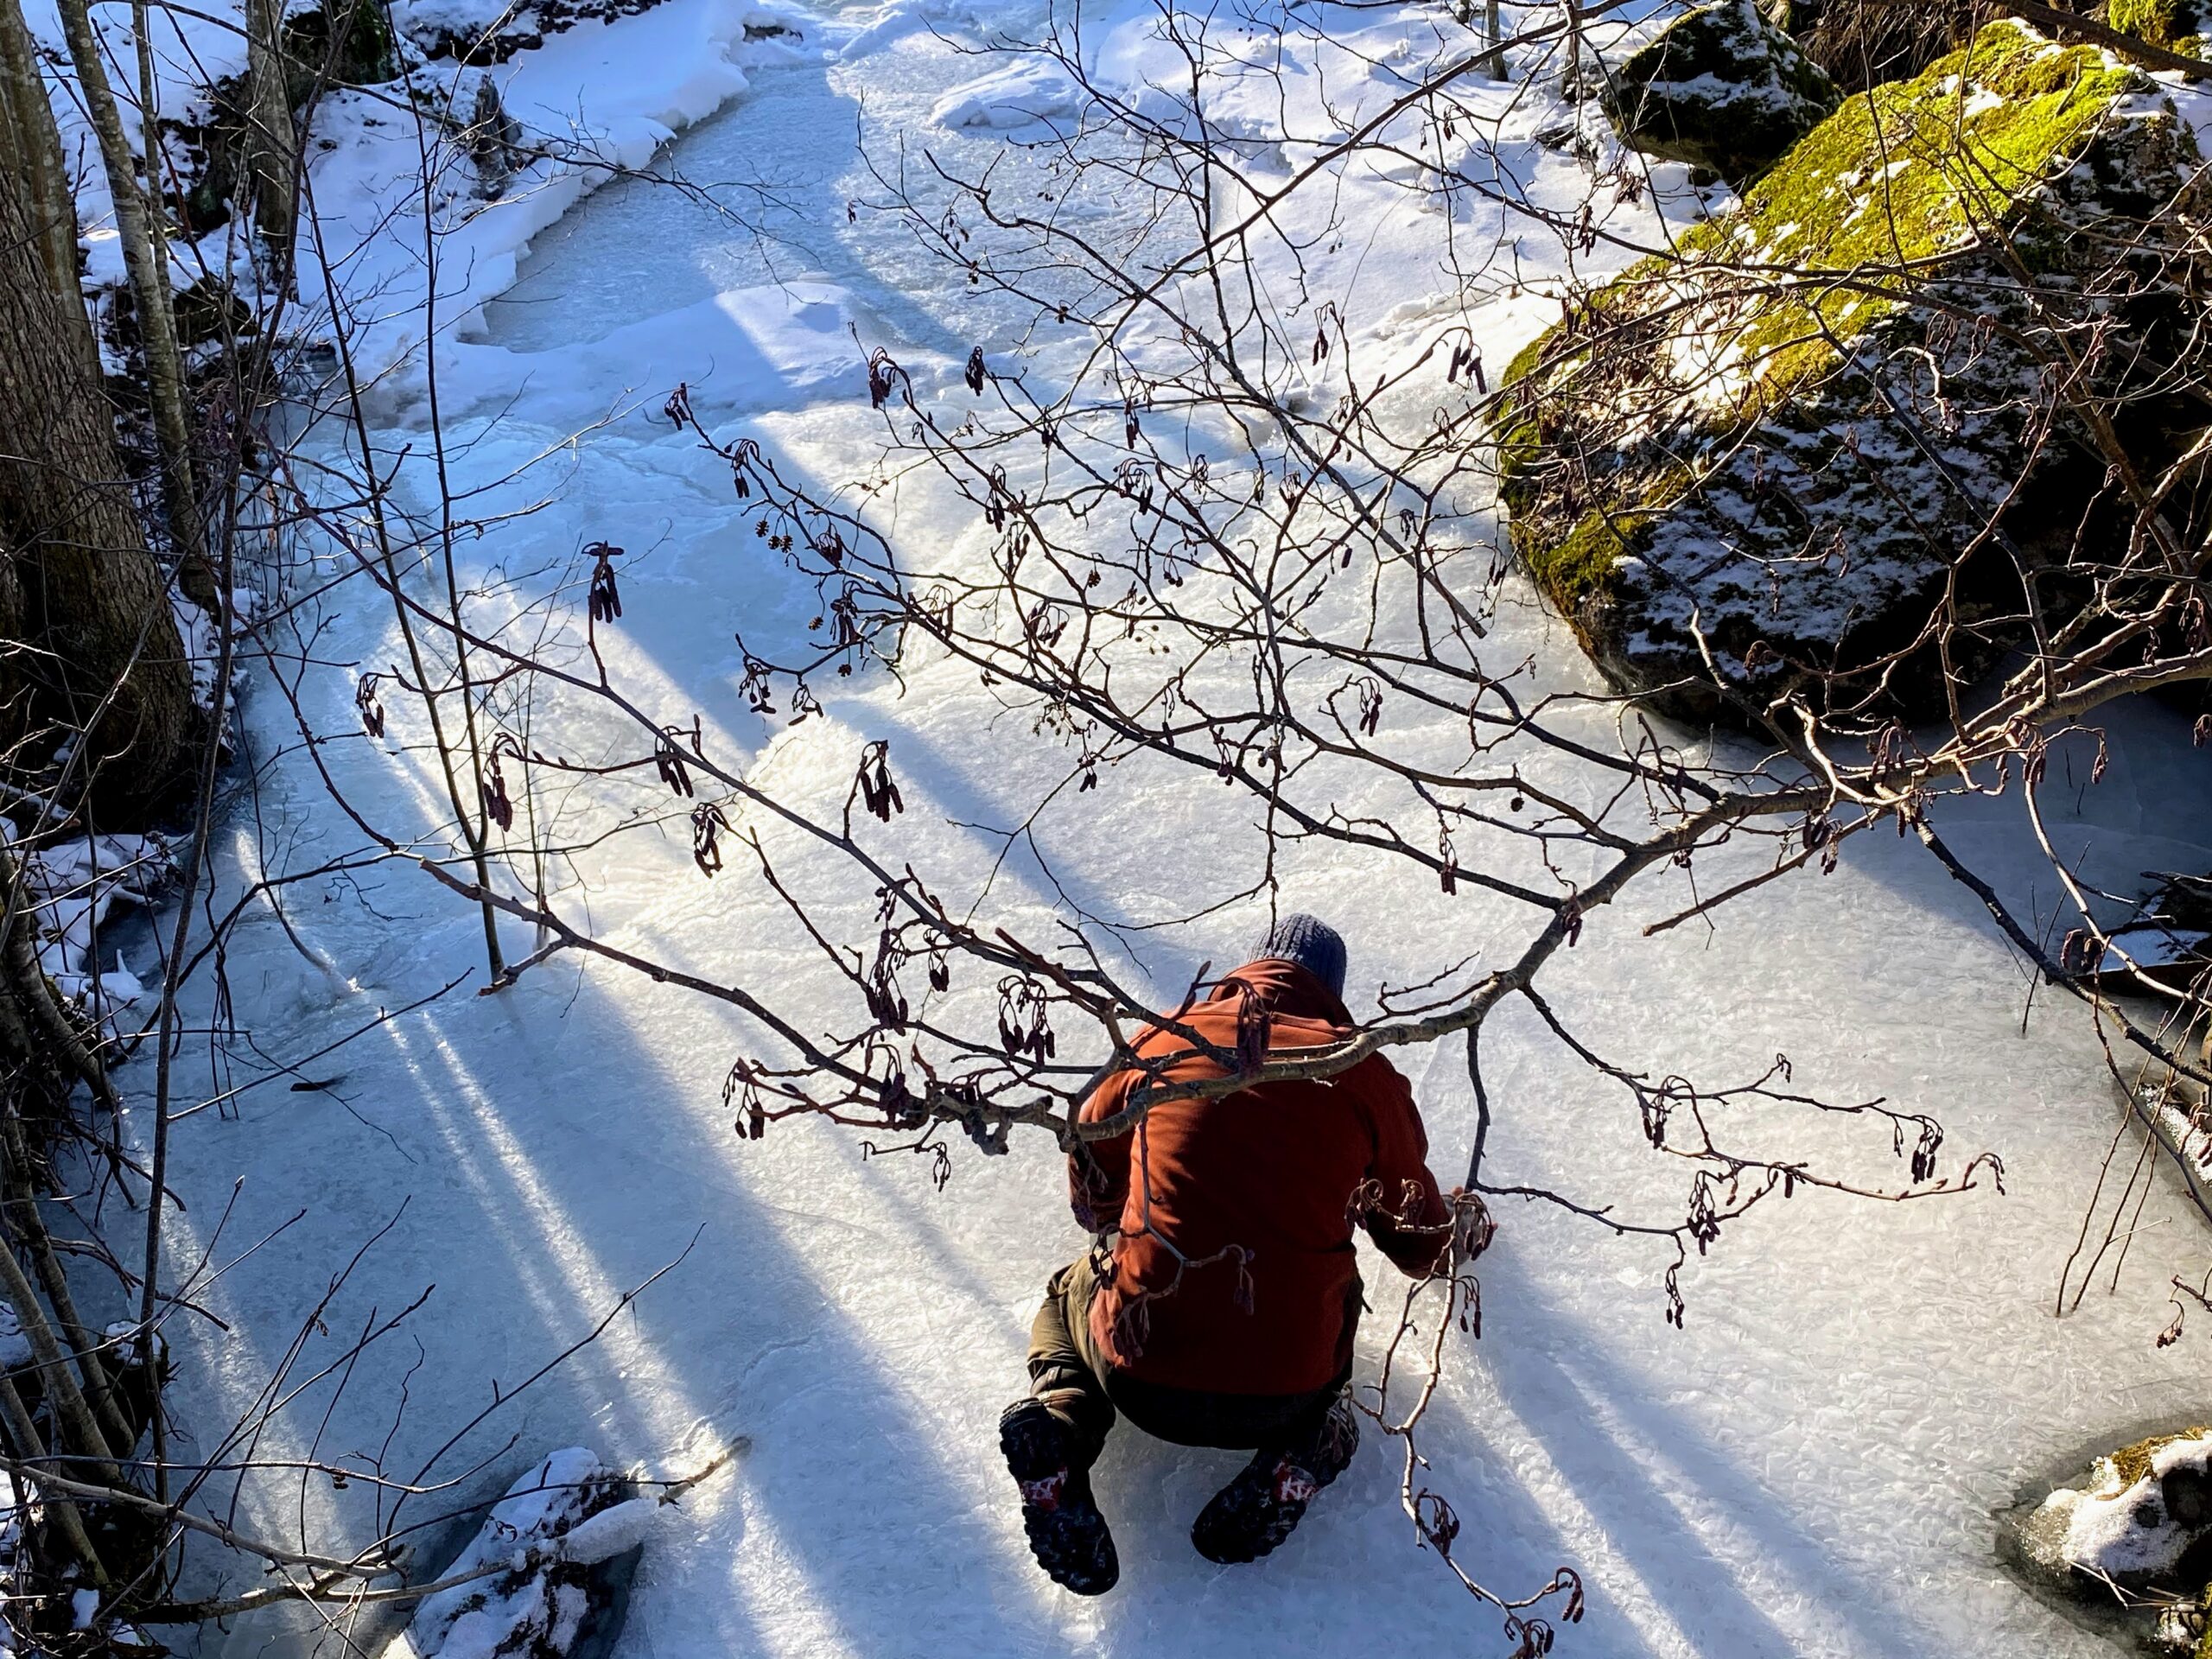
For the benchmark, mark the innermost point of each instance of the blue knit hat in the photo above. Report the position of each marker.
(1312, 944)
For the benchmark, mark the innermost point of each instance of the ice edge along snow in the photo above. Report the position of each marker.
(600, 98)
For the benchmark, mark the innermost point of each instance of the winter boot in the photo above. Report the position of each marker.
(1067, 1534)
(1258, 1509)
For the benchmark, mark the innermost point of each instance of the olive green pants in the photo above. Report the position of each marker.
(1073, 1377)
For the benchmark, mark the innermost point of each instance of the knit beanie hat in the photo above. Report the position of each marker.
(1312, 944)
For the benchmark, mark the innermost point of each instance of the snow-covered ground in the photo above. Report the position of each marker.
(1809, 1467)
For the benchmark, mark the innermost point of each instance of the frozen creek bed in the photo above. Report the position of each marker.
(1807, 1468)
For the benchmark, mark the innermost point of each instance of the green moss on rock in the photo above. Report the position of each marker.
(2162, 23)
(1905, 177)
(1586, 558)
(1733, 426)
(2133, 1462)
(1526, 360)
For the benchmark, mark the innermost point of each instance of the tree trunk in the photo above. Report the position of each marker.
(149, 300)
(30, 148)
(272, 144)
(110, 662)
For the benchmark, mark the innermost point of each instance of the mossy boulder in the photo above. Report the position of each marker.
(1721, 88)
(1756, 469)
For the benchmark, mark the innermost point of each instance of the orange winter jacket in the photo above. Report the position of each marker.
(1233, 1272)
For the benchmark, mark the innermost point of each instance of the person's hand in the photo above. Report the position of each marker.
(1471, 1226)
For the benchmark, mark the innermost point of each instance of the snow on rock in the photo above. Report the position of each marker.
(1711, 474)
(1723, 89)
(77, 885)
(1025, 90)
(559, 1521)
(475, 31)
(2145, 1505)
(2174, 1105)
(603, 1536)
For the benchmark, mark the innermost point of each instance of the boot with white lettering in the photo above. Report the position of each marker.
(1252, 1516)
(1067, 1534)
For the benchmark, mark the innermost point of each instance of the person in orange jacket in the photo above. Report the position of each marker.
(1219, 1306)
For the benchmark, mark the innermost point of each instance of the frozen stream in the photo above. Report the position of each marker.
(1807, 1468)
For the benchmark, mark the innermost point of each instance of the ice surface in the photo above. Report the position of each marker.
(1807, 1468)
(744, 350)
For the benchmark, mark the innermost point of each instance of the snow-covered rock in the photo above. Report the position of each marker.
(2145, 1506)
(558, 1530)
(77, 885)
(1722, 88)
(1717, 478)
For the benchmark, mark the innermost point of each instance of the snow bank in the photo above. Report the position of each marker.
(403, 258)
(1027, 90)
(192, 47)
(893, 22)
(594, 102)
